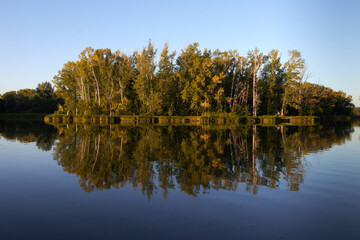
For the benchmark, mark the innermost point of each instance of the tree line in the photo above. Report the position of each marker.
(193, 82)
(43, 99)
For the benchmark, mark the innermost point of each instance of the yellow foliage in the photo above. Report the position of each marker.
(205, 104)
(205, 136)
(60, 108)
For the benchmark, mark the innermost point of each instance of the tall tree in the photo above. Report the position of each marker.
(240, 87)
(167, 81)
(200, 87)
(45, 89)
(293, 68)
(65, 83)
(272, 84)
(146, 83)
(104, 70)
(124, 78)
(256, 59)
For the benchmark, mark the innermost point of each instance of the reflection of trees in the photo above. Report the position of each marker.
(193, 159)
(29, 131)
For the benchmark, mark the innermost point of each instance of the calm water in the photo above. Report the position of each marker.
(190, 182)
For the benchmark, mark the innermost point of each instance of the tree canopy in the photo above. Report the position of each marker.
(193, 82)
(43, 99)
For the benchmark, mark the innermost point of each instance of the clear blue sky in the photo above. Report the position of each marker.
(38, 37)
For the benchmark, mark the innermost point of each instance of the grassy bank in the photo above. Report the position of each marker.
(176, 120)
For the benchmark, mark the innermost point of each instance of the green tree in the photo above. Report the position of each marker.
(200, 88)
(9, 101)
(66, 85)
(293, 85)
(224, 64)
(167, 81)
(124, 83)
(45, 90)
(103, 68)
(256, 60)
(146, 84)
(271, 84)
(28, 99)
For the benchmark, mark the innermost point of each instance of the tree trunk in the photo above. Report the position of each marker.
(121, 92)
(110, 107)
(283, 103)
(254, 86)
(97, 86)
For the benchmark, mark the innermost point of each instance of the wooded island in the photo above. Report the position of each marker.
(193, 83)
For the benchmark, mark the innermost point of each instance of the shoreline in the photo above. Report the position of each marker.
(176, 120)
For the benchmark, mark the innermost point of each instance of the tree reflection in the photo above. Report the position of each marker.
(194, 159)
(29, 131)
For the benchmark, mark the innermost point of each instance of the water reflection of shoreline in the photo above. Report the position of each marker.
(193, 159)
(29, 131)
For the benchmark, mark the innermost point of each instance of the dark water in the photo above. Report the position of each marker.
(189, 182)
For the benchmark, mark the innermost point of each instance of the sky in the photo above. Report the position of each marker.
(38, 37)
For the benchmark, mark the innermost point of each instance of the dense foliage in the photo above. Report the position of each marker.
(356, 112)
(194, 82)
(43, 99)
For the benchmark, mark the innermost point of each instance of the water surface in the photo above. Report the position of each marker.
(175, 182)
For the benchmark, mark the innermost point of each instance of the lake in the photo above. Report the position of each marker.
(179, 182)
